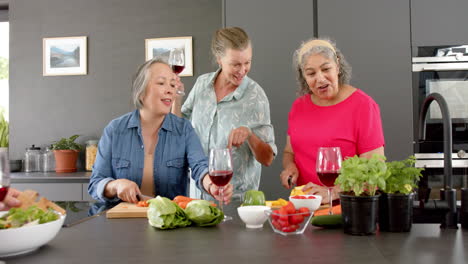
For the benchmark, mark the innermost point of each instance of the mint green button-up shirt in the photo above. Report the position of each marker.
(246, 106)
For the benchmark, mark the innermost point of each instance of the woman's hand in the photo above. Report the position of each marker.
(180, 87)
(10, 200)
(289, 176)
(215, 191)
(124, 189)
(311, 188)
(238, 136)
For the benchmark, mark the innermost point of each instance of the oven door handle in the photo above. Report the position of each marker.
(454, 66)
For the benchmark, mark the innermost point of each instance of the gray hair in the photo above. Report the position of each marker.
(141, 79)
(344, 75)
(228, 38)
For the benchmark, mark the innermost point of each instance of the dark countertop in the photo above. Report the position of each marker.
(50, 177)
(102, 240)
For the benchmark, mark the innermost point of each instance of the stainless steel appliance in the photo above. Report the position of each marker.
(443, 70)
(440, 73)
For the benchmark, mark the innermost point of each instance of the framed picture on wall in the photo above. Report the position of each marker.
(177, 51)
(64, 56)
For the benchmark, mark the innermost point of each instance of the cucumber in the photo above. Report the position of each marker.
(327, 221)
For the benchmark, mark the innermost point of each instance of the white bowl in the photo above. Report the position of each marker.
(253, 215)
(16, 241)
(313, 203)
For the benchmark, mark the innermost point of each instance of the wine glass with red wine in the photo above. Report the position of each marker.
(4, 175)
(220, 171)
(328, 168)
(177, 62)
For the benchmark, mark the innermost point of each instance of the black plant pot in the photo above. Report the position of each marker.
(396, 212)
(464, 208)
(359, 214)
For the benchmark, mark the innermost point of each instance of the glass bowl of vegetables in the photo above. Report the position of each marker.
(288, 220)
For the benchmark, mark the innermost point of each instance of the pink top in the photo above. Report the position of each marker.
(354, 125)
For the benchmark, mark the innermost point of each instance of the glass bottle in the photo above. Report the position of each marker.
(32, 159)
(48, 160)
(91, 151)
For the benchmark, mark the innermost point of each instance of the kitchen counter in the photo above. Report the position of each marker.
(101, 240)
(50, 177)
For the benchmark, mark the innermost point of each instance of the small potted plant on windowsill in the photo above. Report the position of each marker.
(396, 201)
(4, 130)
(359, 180)
(66, 152)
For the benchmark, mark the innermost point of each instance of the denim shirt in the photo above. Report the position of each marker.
(121, 156)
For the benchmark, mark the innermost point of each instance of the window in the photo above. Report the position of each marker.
(4, 61)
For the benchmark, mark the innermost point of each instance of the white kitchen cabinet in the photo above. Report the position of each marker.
(56, 191)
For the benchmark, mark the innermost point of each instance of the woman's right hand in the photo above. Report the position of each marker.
(10, 200)
(124, 189)
(289, 176)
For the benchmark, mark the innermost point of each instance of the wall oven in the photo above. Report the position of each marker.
(443, 70)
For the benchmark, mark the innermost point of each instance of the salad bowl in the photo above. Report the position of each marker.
(28, 238)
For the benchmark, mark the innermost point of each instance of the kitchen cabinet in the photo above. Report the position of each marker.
(54, 186)
(374, 37)
(435, 22)
(55, 191)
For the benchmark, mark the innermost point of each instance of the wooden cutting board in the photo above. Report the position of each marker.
(126, 210)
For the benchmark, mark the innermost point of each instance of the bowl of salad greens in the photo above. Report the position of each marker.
(27, 229)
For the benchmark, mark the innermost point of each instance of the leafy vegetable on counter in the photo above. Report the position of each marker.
(165, 214)
(253, 197)
(202, 213)
(17, 217)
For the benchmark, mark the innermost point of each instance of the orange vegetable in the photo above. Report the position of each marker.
(335, 209)
(181, 198)
(142, 204)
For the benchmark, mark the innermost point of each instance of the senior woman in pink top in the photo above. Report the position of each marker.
(329, 113)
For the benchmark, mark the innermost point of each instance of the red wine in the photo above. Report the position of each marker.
(177, 68)
(3, 192)
(328, 178)
(220, 178)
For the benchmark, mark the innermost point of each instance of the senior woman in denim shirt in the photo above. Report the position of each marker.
(149, 151)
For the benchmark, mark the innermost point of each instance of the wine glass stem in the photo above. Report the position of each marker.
(330, 200)
(221, 190)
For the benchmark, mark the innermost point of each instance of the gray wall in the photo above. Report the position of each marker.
(276, 28)
(44, 109)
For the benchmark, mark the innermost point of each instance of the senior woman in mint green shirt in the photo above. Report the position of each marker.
(228, 109)
(149, 151)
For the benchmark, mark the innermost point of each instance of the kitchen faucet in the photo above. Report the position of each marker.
(450, 218)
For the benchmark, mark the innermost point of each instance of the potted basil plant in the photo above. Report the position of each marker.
(66, 152)
(396, 201)
(359, 180)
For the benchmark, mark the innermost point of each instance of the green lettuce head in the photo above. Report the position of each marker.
(202, 213)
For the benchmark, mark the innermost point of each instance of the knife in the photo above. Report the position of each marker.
(291, 185)
(142, 197)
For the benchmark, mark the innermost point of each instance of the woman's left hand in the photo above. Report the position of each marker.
(215, 191)
(311, 188)
(238, 136)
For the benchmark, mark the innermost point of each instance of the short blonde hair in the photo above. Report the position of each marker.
(303, 52)
(228, 38)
